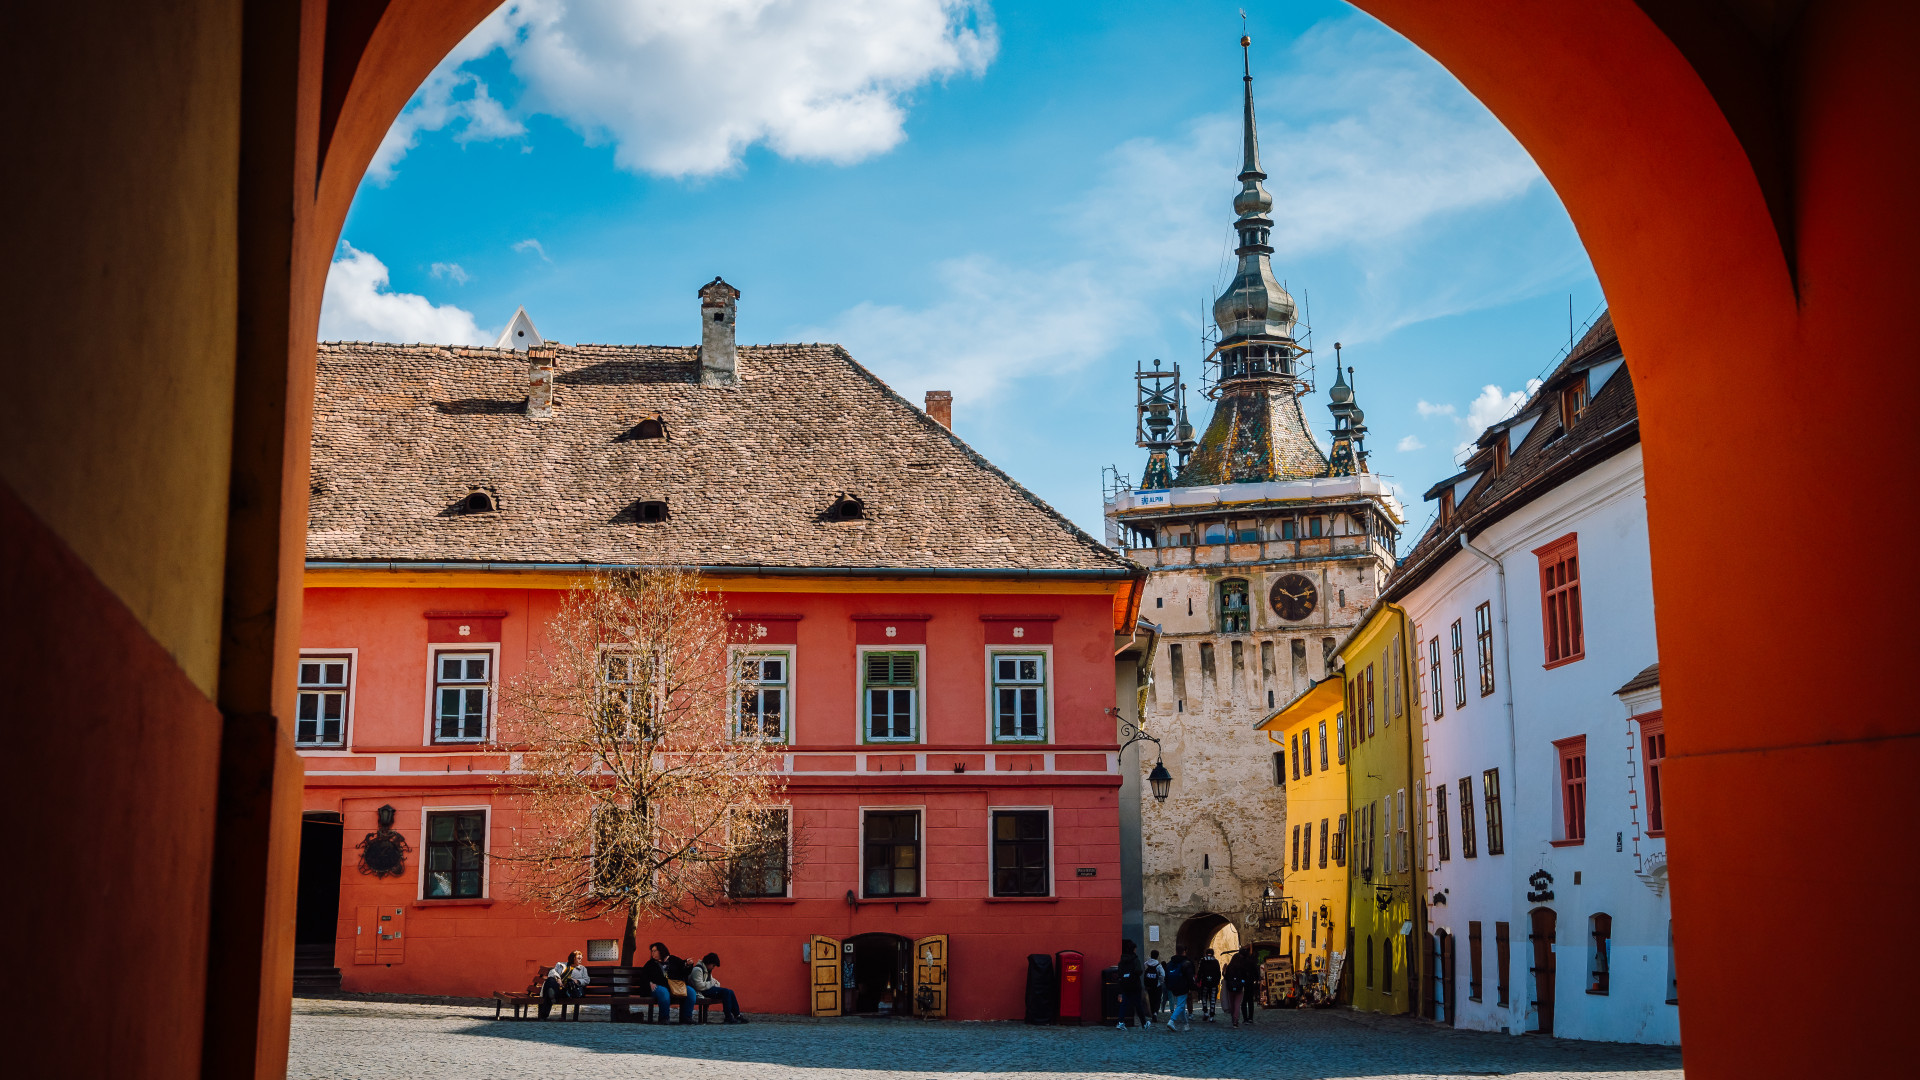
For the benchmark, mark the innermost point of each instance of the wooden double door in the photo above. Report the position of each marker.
(834, 983)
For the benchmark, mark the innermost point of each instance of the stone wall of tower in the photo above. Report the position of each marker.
(1212, 848)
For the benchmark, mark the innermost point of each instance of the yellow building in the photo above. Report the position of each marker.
(1386, 908)
(1311, 764)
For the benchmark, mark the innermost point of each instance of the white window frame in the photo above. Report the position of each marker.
(789, 653)
(788, 875)
(434, 650)
(346, 721)
(1045, 652)
(919, 694)
(1053, 883)
(486, 853)
(920, 888)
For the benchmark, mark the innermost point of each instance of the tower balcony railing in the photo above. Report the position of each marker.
(1227, 554)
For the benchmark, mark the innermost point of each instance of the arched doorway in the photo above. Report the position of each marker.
(879, 976)
(1542, 967)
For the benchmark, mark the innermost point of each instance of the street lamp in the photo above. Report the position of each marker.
(1161, 780)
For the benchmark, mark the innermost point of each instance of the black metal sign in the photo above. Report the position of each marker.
(1542, 883)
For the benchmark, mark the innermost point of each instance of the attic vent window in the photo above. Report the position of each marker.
(650, 513)
(650, 428)
(479, 502)
(847, 508)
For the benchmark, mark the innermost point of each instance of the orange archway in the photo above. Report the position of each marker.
(1740, 171)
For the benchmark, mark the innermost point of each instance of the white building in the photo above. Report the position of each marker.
(1533, 598)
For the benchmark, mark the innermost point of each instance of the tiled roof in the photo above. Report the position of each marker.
(1545, 458)
(1648, 678)
(403, 433)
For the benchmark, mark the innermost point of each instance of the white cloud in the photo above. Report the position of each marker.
(453, 272)
(684, 89)
(1429, 409)
(1492, 406)
(530, 244)
(1410, 443)
(1368, 142)
(358, 306)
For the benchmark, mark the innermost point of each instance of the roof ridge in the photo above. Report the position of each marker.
(961, 444)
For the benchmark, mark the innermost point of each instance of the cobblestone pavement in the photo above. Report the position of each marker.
(373, 1040)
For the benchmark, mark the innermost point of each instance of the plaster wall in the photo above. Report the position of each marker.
(1462, 742)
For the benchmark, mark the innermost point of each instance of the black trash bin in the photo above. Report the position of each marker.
(1110, 995)
(1043, 995)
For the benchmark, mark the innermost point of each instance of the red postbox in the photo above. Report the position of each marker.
(1070, 965)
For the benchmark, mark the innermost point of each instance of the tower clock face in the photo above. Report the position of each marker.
(1294, 597)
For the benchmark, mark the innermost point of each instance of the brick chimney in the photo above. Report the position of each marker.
(718, 354)
(540, 382)
(940, 407)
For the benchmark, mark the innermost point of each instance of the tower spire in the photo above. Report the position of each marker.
(1349, 454)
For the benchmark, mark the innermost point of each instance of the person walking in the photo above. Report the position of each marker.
(1207, 979)
(701, 981)
(1154, 979)
(1129, 982)
(1180, 990)
(1238, 979)
(566, 979)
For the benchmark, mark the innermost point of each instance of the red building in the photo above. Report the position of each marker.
(944, 645)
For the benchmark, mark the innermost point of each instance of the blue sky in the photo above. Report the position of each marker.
(1015, 202)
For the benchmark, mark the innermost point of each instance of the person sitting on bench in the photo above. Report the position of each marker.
(568, 979)
(700, 979)
(662, 971)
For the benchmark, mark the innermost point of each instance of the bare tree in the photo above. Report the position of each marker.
(639, 792)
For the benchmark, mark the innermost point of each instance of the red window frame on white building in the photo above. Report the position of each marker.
(1562, 633)
(1653, 745)
(1572, 766)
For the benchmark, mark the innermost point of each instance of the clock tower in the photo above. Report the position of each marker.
(1263, 551)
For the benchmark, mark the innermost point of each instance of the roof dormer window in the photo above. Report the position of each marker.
(1573, 402)
(478, 501)
(1500, 455)
(847, 508)
(1446, 508)
(650, 511)
(650, 428)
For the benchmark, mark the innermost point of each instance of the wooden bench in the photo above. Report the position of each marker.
(606, 985)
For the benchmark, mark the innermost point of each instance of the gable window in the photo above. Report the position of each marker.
(1019, 697)
(1574, 402)
(320, 718)
(763, 706)
(1496, 830)
(456, 848)
(1459, 668)
(1573, 790)
(1653, 741)
(1235, 616)
(1560, 600)
(1433, 674)
(462, 692)
(892, 684)
(891, 853)
(1440, 825)
(1599, 952)
(1022, 853)
(762, 872)
(1469, 842)
(1483, 639)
